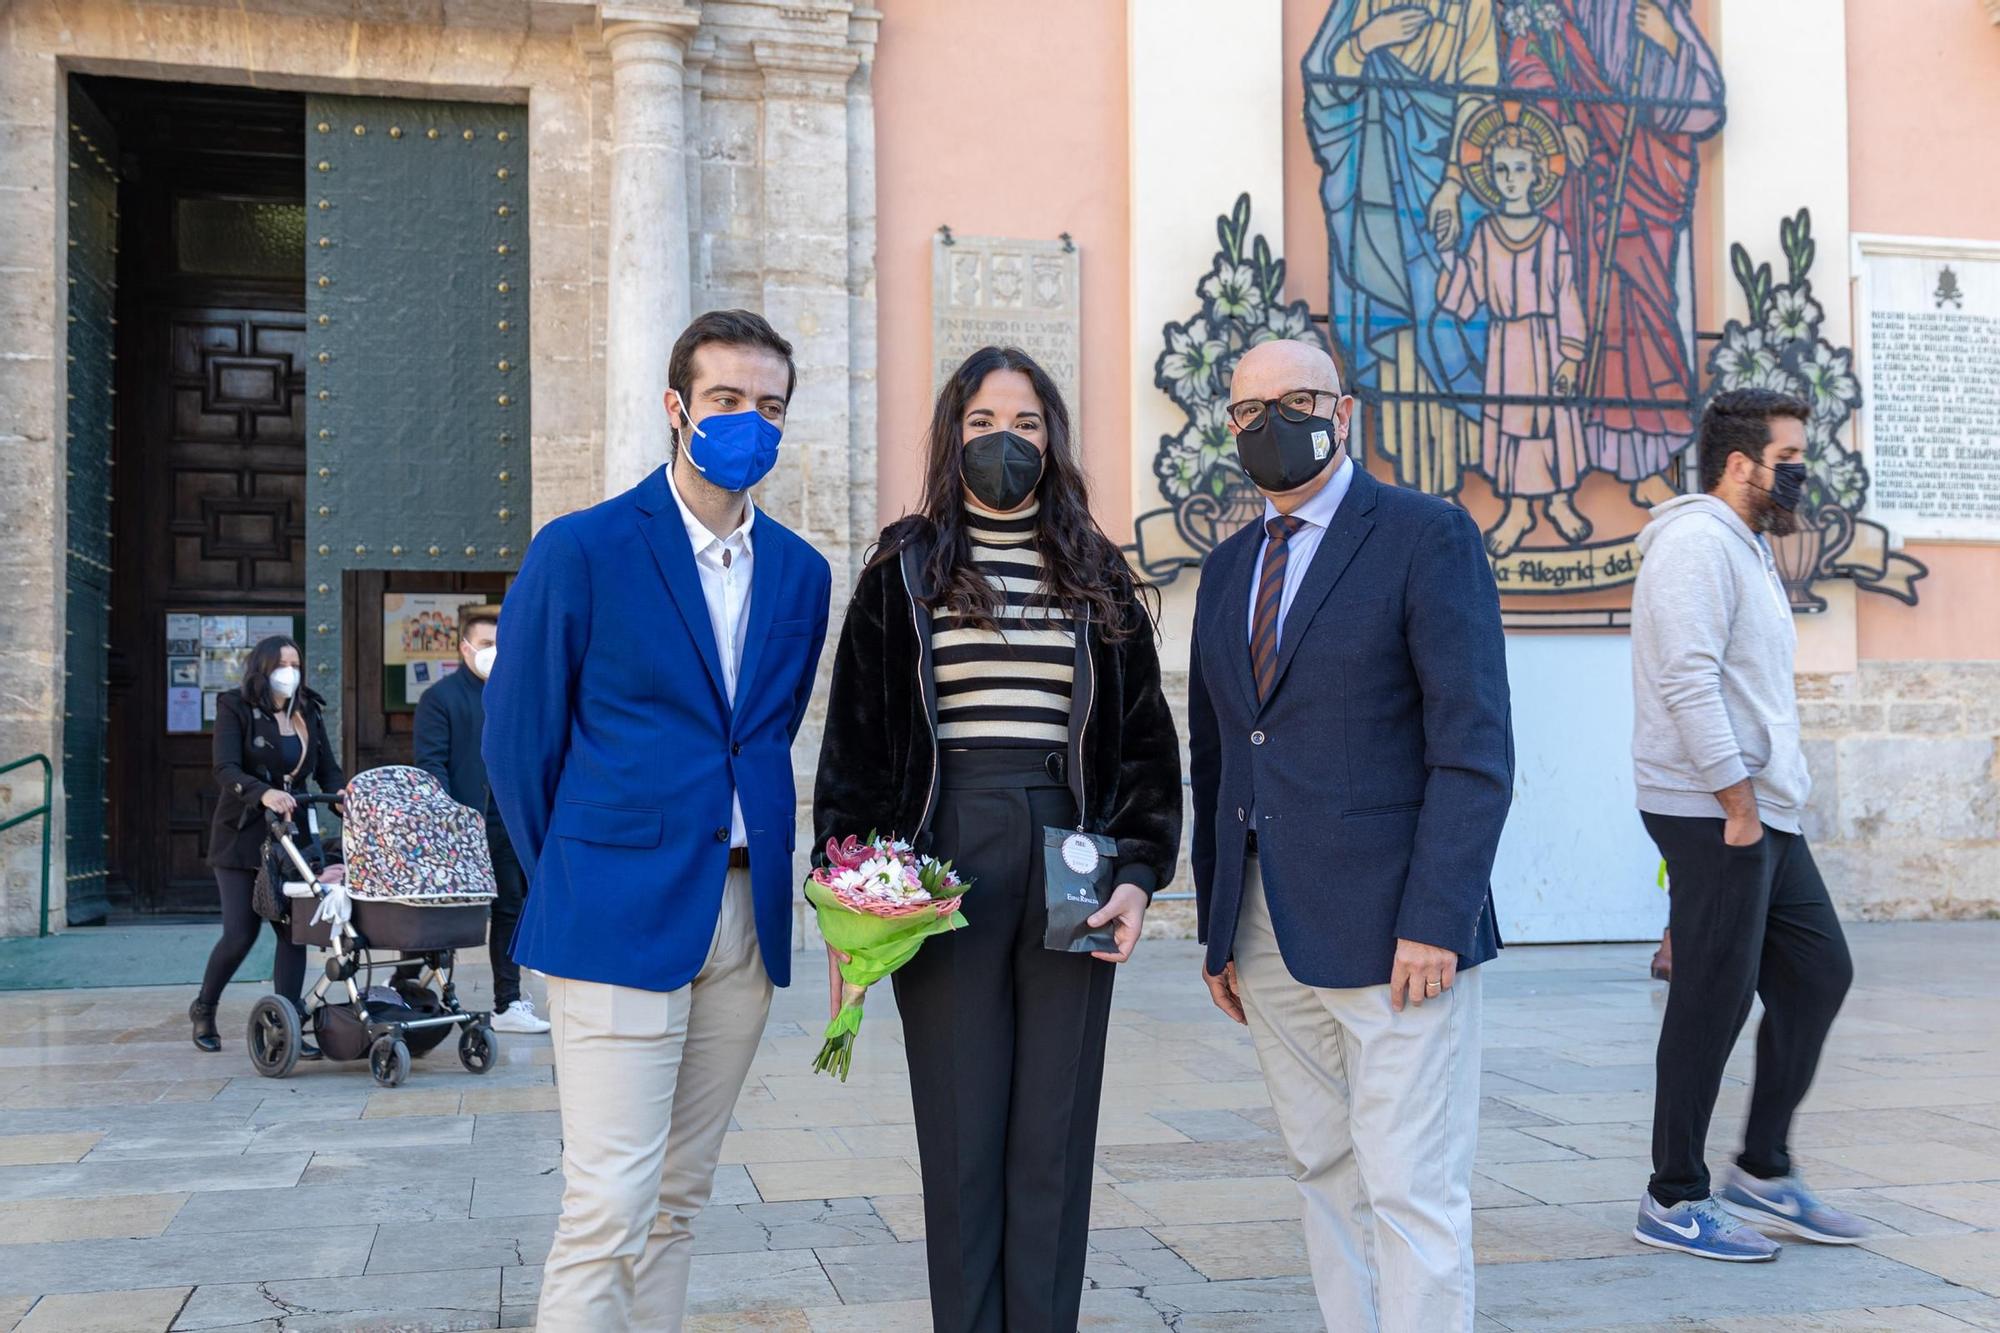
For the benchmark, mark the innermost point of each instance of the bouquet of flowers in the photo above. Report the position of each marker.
(877, 902)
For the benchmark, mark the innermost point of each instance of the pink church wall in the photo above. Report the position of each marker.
(1003, 120)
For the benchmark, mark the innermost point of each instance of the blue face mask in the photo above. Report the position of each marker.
(734, 450)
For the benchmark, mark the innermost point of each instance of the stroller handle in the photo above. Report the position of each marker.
(278, 822)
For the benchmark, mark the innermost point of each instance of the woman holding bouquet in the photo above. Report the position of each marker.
(997, 689)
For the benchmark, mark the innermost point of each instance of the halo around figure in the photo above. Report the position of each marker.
(1531, 128)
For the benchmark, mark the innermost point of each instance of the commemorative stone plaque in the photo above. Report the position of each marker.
(1932, 360)
(1020, 293)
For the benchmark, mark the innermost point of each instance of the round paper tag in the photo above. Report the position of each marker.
(1079, 853)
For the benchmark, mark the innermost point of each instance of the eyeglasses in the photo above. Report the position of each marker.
(1294, 406)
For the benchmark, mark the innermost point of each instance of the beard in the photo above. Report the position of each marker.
(1774, 520)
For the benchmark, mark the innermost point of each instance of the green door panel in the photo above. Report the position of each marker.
(417, 425)
(93, 270)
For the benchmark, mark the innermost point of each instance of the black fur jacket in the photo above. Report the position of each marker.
(878, 763)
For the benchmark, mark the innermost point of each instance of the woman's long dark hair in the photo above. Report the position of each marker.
(1081, 569)
(266, 657)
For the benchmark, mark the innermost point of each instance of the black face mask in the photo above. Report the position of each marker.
(1788, 484)
(1001, 470)
(1283, 455)
(1787, 488)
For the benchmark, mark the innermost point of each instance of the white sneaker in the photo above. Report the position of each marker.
(520, 1016)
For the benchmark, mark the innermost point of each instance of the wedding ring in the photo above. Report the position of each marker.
(1434, 985)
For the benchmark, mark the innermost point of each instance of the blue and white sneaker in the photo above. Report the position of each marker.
(1701, 1228)
(1785, 1204)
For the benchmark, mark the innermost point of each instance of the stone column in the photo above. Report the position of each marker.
(862, 498)
(805, 279)
(648, 264)
(700, 51)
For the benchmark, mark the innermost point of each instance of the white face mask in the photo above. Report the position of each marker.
(285, 682)
(482, 661)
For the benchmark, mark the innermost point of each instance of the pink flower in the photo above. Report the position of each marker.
(849, 854)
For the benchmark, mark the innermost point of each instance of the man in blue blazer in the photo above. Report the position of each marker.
(659, 655)
(1352, 768)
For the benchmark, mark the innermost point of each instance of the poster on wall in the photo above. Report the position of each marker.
(260, 628)
(183, 634)
(419, 642)
(224, 631)
(205, 657)
(183, 710)
(1929, 321)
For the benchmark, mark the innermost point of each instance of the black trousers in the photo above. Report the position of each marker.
(510, 884)
(239, 933)
(1746, 921)
(1006, 1048)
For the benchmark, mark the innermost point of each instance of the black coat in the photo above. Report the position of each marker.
(249, 762)
(451, 718)
(878, 761)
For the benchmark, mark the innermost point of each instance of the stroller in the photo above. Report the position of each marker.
(416, 885)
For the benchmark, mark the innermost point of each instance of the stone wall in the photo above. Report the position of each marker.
(1905, 814)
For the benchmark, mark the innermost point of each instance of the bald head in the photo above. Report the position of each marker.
(1273, 369)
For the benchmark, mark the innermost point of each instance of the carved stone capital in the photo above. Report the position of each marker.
(864, 29)
(673, 13)
(799, 69)
(640, 32)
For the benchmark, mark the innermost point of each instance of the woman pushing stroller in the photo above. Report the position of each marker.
(270, 738)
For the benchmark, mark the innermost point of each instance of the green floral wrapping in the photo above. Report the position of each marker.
(875, 946)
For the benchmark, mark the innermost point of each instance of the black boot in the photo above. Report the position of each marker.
(307, 1051)
(203, 1017)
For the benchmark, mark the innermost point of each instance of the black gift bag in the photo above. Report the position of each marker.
(1077, 879)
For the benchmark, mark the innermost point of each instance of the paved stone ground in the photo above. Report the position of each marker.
(144, 1186)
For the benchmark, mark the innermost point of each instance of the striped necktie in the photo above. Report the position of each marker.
(1270, 600)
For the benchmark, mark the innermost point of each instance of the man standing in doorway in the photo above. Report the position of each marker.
(1353, 765)
(659, 656)
(451, 718)
(1722, 788)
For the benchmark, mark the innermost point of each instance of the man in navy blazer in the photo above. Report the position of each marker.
(659, 655)
(1352, 768)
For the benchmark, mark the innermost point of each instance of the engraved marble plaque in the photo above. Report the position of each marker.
(990, 289)
(1930, 328)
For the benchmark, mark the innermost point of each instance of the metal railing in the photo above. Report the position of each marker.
(42, 810)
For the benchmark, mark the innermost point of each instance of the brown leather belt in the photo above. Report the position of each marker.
(739, 858)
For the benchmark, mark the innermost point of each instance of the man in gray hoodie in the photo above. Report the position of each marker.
(1722, 788)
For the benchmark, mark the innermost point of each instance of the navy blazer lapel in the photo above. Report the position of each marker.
(1350, 527)
(767, 576)
(1236, 618)
(667, 535)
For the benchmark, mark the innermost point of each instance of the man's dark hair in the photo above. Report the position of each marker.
(1739, 422)
(477, 613)
(732, 328)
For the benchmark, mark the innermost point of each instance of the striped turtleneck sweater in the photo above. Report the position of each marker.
(1008, 685)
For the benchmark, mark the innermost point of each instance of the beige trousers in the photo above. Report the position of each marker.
(1380, 1115)
(648, 1081)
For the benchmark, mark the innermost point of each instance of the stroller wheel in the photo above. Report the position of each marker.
(389, 1060)
(274, 1037)
(478, 1049)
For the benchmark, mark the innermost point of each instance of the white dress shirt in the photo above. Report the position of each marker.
(1317, 514)
(724, 564)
